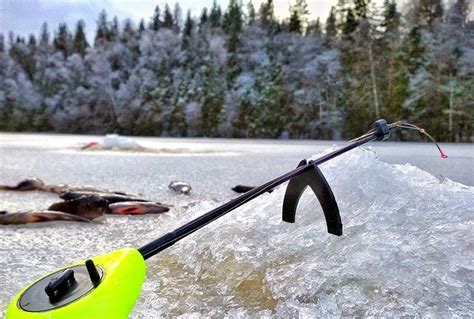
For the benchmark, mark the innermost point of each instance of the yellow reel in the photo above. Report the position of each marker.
(107, 287)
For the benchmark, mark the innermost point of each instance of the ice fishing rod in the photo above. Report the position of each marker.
(381, 132)
(108, 285)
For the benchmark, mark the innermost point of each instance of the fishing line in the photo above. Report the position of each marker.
(409, 126)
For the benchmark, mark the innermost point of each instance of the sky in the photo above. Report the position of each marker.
(24, 17)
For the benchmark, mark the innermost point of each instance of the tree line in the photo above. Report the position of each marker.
(242, 72)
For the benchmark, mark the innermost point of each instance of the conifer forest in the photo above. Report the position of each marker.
(239, 71)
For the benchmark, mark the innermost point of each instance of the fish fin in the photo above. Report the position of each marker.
(128, 211)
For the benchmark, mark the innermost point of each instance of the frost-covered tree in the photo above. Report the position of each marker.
(248, 74)
(443, 77)
(25, 55)
(19, 102)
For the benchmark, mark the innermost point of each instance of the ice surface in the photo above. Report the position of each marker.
(407, 250)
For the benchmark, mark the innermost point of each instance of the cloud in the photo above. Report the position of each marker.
(26, 16)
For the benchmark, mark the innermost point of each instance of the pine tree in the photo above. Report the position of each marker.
(314, 28)
(215, 15)
(395, 79)
(141, 26)
(178, 121)
(80, 42)
(168, 21)
(44, 35)
(350, 24)
(128, 30)
(32, 44)
(212, 103)
(458, 82)
(391, 17)
(244, 122)
(266, 14)
(251, 13)
(233, 27)
(131, 48)
(295, 24)
(274, 110)
(203, 19)
(155, 20)
(298, 17)
(114, 29)
(425, 13)
(298, 11)
(233, 18)
(177, 17)
(30, 68)
(361, 8)
(24, 54)
(102, 35)
(361, 61)
(187, 31)
(63, 40)
(413, 50)
(39, 78)
(331, 28)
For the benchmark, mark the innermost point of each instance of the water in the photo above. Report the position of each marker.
(407, 247)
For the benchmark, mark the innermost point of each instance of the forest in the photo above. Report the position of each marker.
(240, 71)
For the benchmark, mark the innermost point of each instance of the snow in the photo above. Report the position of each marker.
(405, 249)
(119, 142)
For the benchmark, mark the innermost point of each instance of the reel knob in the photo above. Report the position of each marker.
(60, 286)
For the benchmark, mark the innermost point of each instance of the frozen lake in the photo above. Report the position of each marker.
(408, 217)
